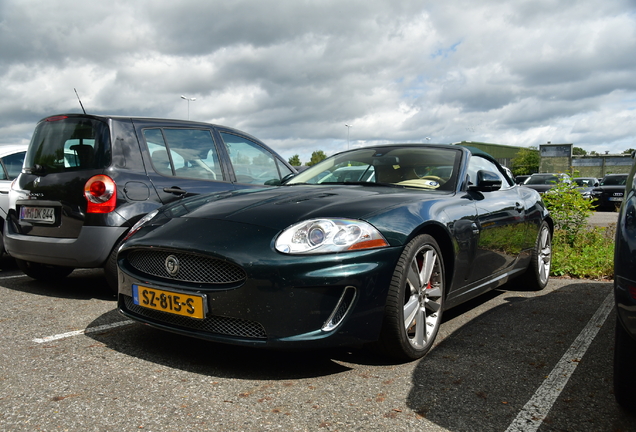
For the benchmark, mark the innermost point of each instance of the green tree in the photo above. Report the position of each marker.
(578, 151)
(526, 162)
(629, 151)
(295, 160)
(316, 157)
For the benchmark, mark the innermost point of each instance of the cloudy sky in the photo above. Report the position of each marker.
(294, 72)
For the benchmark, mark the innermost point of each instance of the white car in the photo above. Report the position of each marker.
(11, 159)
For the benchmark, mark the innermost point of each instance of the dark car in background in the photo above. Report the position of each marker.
(88, 179)
(625, 297)
(585, 185)
(520, 179)
(543, 182)
(369, 246)
(609, 194)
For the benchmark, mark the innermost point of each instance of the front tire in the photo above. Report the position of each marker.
(415, 301)
(624, 368)
(43, 272)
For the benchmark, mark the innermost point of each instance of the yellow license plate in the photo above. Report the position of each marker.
(177, 303)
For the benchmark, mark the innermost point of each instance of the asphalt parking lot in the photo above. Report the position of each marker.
(604, 218)
(508, 361)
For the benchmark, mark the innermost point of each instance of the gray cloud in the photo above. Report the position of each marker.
(294, 72)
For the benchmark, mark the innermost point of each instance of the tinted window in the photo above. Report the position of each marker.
(12, 165)
(69, 144)
(252, 163)
(186, 153)
(543, 180)
(614, 181)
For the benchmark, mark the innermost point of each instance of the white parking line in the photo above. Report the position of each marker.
(13, 277)
(79, 332)
(537, 408)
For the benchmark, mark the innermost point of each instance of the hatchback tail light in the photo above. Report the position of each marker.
(101, 193)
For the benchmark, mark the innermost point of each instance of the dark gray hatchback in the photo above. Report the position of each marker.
(88, 179)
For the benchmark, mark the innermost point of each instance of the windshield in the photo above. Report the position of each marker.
(614, 181)
(69, 144)
(587, 182)
(542, 180)
(423, 167)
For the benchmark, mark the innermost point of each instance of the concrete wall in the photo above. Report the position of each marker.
(598, 166)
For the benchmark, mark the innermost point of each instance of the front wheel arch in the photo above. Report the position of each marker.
(446, 245)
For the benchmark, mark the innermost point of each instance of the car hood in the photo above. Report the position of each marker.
(280, 207)
(539, 187)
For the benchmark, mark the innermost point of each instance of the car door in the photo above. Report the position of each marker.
(500, 221)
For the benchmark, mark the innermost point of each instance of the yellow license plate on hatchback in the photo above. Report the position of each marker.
(177, 303)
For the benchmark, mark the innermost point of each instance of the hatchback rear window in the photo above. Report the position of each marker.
(68, 144)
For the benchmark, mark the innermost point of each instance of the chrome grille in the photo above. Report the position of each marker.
(212, 324)
(192, 268)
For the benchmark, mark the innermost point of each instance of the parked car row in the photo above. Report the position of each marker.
(606, 193)
(207, 232)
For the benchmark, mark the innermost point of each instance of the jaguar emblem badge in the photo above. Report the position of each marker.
(172, 265)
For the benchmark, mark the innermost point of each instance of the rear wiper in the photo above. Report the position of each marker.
(36, 169)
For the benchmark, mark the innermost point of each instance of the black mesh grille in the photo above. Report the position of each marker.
(212, 324)
(192, 268)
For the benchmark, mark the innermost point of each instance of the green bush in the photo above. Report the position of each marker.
(578, 250)
(568, 209)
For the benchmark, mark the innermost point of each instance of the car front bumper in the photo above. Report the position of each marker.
(319, 300)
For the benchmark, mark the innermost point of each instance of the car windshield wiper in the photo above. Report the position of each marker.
(361, 183)
(348, 183)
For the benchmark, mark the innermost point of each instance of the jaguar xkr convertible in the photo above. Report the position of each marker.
(368, 247)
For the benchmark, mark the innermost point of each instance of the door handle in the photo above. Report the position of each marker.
(175, 190)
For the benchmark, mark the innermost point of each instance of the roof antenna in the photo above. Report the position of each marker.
(80, 101)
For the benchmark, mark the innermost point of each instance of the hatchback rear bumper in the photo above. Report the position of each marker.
(89, 250)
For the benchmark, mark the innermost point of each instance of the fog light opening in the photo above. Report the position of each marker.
(341, 309)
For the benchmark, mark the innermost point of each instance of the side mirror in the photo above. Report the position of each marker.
(287, 178)
(487, 181)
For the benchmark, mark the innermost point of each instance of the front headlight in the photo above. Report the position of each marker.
(329, 235)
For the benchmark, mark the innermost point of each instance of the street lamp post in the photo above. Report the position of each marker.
(188, 99)
(348, 128)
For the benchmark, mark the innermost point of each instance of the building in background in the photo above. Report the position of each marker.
(558, 158)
